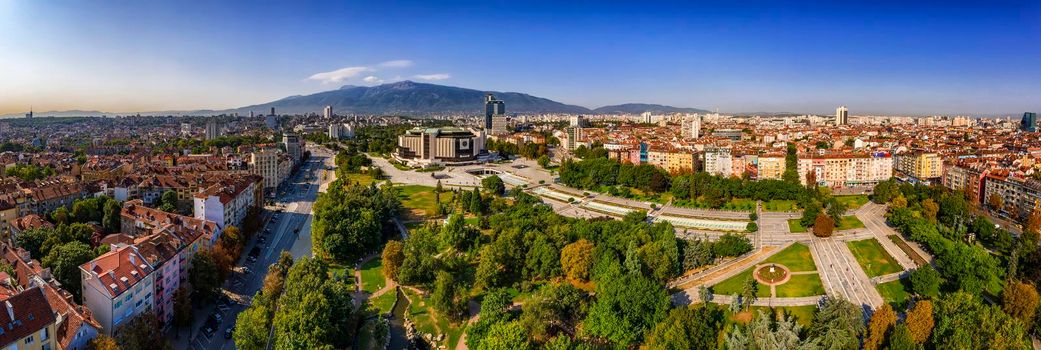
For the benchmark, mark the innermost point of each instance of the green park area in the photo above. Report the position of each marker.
(797, 258)
(360, 178)
(849, 222)
(426, 321)
(853, 201)
(795, 226)
(418, 201)
(873, 258)
(372, 278)
(384, 302)
(780, 205)
(895, 293)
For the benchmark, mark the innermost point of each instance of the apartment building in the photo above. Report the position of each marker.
(227, 202)
(265, 163)
(921, 166)
(117, 286)
(846, 170)
(718, 161)
(29, 322)
(1018, 196)
(770, 167)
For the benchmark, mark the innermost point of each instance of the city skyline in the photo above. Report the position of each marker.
(877, 58)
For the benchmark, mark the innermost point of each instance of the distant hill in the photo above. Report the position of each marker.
(637, 108)
(408, 97)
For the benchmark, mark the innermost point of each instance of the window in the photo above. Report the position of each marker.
(129, 296)
(119, 304)
(44, 335)
(29, 339)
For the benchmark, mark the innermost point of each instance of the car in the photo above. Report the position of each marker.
(217, 316)
(228, 332)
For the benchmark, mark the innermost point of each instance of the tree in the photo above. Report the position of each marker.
(543, 161)
(731, 245)
(576, 259)
(204, 274)
(505, 336)
(920, 321)
(60, 216)
(930, 209)
(879, 326)
(448, 298)
(393, 255)
(626, 309)
(995, 201)
(963, 321)
(925, 281)
(749, 293)
(1020, 300)
(687, 328)
(837, 325)
(64, 262)
(494, 185)
(697, 253)
(252, 327)
(1034, 221)
(103, 342)
(751, 227)
(182, 307)
(555, 309)
(901, 339)
(142, 332)
(168, 200)
(32, 240)
(112, 218)
(823, 225)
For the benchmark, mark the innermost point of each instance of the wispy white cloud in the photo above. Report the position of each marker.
(372, 79)
(397, 64)
(436, 76)
(339, 75)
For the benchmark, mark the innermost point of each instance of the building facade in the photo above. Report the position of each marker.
(426, 146)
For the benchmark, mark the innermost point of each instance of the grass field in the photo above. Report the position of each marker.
(427, 322)
(896, 293)
(733, 285)
(801, 286)
(853, 201)
(796, 257)
(780, 205)
(795, 226)
(419, 200)
(363, 179)
(384, 302)
(849, 222)
(873, 258)
(372, 278)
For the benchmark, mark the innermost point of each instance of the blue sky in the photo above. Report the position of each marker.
(876, 57)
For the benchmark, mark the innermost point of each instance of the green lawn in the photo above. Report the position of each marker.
(427, 322)
(873, 258)
(853, 201)
(733, 285)
(849, 222)
(781, 205)
(363, 179)
(795, 226)
(796, 257)
(372, 278)
(801, 286)
(419, 200)
(896, 293)
(918, 259)
(384, 302)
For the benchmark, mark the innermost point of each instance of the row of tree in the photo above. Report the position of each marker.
(351, 220)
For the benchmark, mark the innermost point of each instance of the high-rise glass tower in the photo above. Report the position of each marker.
(1029, 122)
(492, 107)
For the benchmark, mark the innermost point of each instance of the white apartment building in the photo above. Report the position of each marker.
(117, 286)
(719, 161)
(227, 202)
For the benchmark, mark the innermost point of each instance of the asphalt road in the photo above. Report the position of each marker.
(286, 233)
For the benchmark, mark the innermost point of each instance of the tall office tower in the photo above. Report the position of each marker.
(492, 107)
(251, 114)
(272, 111)
(328, 112)
(30, 114)
(212, 129)
(1029, 122)
(841, 115)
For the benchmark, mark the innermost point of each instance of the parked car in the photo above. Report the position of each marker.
(228, 332)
